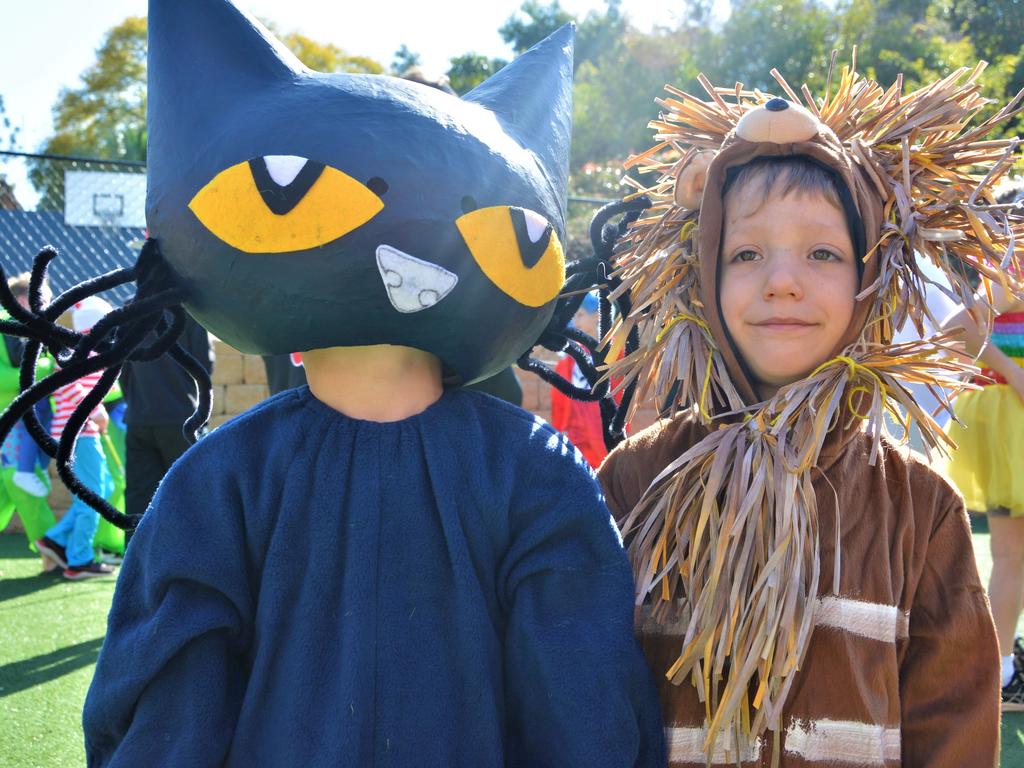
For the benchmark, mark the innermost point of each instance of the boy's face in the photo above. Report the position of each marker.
(788, 281)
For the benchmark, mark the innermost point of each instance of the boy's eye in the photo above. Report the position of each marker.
(823, 254)
(746, 256)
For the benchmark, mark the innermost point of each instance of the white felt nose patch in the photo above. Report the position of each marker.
(412, 284)
(778, 121)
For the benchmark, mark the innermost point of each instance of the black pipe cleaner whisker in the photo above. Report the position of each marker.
(204, 388)
(115, 339)
(559, 336)
(26, 378)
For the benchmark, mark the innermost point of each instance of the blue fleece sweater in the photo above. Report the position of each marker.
(309, 590)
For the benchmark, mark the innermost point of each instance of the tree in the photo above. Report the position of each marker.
(539, 22)
(404, 60)
(793, 36)
(8, 131)
(596, 34)
(106, 116)
(614, 95)
(8, 136)
(326, 57)
(995, 27)
(470, 69)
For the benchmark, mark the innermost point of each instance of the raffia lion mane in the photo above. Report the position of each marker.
(726, 538)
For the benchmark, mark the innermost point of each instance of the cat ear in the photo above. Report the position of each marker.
(206, 59)
(532, 97)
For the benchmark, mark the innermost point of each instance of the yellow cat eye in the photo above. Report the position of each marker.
(518, 250)
(315, 204)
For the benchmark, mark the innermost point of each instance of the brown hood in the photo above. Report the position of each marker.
(769, 132)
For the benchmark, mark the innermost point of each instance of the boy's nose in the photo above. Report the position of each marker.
(781, 281)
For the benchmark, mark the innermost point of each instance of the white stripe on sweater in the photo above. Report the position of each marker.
(843, 742)
(877, 621)
(686, 745)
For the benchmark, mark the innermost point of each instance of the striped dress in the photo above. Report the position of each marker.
(1008, 337)
(67, 398)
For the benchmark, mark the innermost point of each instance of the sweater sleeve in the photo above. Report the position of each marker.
(949, 683)
(170, 677)
(579, 691)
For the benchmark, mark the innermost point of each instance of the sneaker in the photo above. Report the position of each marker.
(30, 483)
(88, 571)
(52, 551)
(1013, 694)
(110, 558)
(1018, 654)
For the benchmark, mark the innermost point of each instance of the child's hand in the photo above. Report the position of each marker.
(100, 419)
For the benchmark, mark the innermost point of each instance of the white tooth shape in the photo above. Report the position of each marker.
(412, 284)
(535, 224)
(284, 168)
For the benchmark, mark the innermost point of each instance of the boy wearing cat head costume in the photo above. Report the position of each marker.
(391, 570)
(807, 592)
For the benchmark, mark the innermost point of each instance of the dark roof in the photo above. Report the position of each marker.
(83, 252)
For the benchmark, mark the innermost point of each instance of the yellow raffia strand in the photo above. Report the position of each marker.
(850, 404)
(681, 317)
(854, 368)
(687, 230)
(666, 593)
(703, 403)
(618, 344)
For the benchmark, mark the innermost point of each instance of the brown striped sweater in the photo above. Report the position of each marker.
(902, 667)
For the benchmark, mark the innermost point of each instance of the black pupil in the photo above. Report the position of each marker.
(469, 204)
(377, 185)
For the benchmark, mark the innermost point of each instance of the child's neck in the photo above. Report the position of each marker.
(378, 383)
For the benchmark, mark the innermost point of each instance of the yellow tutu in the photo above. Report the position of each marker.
(988, 463)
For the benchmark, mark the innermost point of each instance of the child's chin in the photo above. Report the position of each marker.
(776, 379)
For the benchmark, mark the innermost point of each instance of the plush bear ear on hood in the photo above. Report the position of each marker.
(691, 176)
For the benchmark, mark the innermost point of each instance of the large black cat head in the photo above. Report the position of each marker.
(308, 210)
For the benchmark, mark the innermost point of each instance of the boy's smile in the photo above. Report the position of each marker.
(788, 281)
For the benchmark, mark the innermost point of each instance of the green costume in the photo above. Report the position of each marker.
(34, 511)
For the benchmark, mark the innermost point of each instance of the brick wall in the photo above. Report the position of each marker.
(239, 383)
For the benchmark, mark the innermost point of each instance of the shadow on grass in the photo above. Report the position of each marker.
(26, 585)
(27, 673)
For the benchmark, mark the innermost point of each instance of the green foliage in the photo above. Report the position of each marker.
(536, 22)
(404, 60)
(996, 27)
(106, 116)
(469, 70)
(793, 36)
(614, 94)
(8, 131)
(326, 57)
(618, 80)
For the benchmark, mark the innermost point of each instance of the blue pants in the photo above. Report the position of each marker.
(31, 455)
(76, 529)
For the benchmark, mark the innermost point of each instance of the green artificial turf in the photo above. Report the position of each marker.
(50, 634)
